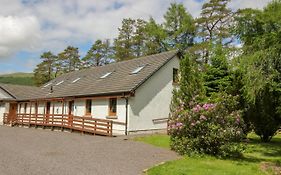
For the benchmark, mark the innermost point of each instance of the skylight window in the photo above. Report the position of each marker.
(138, 69)
(47, 85)
(59, 83)
(106, 75)
(77, 79)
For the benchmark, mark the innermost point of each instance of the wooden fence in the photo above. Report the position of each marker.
(83, 124)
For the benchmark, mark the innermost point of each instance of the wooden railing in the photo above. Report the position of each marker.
(83, 124)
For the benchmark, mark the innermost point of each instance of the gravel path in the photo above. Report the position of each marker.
(37, 151)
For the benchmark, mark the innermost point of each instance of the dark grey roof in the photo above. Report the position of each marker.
(19, 92)
(90, 84)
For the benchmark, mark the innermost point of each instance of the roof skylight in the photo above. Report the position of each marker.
(46, 85)
(106, 75)
(138, 69)
(59, 83)
(77, 79)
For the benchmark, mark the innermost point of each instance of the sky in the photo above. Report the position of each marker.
(30, 27)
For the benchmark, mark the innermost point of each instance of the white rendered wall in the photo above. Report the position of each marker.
(2, 111)
(152, 99)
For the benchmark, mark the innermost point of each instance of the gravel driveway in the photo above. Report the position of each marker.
(38, 151)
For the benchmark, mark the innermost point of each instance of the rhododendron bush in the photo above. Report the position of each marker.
(208, 128)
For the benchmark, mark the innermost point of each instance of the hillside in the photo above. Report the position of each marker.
(18, 78)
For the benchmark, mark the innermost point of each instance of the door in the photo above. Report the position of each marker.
(70, 112)
(12, 113)
(48, 107)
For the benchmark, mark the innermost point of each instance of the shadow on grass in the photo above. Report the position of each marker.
(257, 151)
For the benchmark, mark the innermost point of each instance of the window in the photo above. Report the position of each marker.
(47, 85)
(59, 83)
(137, 70)
(112, 106)
(175, 76)
(77, 79)
(106, 75)
(88, 107)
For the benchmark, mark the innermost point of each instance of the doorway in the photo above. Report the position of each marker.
(48, 107)
(12, 116)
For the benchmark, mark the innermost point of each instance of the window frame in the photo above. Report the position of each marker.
(111, 113)
(87, 107)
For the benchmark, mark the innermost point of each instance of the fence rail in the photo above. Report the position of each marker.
(83, 124)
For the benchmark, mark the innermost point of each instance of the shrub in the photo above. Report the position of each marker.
(208, 128)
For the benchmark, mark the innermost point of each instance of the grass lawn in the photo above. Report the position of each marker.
(259, 158)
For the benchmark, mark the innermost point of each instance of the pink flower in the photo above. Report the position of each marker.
(202, 117)
(179, 124)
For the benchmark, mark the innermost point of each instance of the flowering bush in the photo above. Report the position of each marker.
(209, 128)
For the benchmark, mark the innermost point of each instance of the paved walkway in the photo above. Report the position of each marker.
(38, 151)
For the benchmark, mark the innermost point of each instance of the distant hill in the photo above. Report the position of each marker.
(18, 78)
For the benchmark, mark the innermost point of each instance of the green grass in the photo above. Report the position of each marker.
(257, 156)
(159, 140)
(18, 78)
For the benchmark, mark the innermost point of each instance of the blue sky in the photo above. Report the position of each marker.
(30, 27)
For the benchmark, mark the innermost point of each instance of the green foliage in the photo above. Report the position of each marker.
(156, 36)
(217, 75)
(180, 27)
(209, 128)
(69, 60)
(44, 70)
(261, 67)
(124, 43)
(213, 27)
(19, 80)
(100, 53)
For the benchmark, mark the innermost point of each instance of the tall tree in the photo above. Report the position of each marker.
(213, 26)
(259, 31)
(69, 59)
(139, 38)
(179, 26)
(156, 36)
(44, 71)
(217, 74)
(99, 54)
(123, 44)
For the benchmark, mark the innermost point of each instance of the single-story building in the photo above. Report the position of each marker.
(135, 95)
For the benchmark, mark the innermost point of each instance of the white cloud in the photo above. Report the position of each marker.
(241, 4)
(18, 33)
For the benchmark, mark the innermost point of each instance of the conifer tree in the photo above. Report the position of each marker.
(69, 59)
(99, 54)
(44, 71)
(123, 44)
(213, 26)
(156, 36)
(180, 27)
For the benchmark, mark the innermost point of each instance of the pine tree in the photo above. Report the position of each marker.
(156, 35)
(139, 38)
(179, 26)
(123, 44)
(217, 75)
(44, 71)
(99, 54)
(69, 60)
(214, 25)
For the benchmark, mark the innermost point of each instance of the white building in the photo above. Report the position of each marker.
(134, 94)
